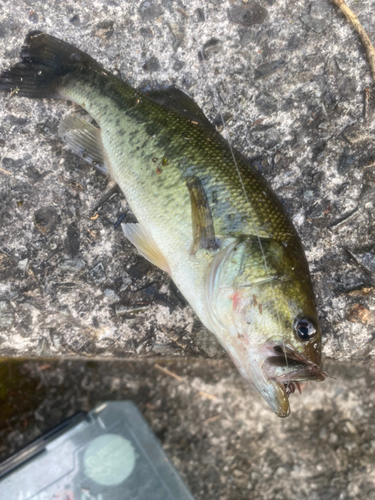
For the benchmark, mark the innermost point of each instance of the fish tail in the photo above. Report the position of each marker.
(45, 62)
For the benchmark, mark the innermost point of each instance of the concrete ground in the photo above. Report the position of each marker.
(292, 80)
(219, 435)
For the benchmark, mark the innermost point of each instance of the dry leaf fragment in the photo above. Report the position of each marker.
(359, 314)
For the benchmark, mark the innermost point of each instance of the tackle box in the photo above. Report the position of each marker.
(107, 454)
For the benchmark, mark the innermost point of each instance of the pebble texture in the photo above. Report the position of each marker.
(293, 82)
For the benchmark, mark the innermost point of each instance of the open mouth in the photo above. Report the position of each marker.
(288, 368)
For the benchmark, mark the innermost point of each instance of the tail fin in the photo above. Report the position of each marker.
(45, 60)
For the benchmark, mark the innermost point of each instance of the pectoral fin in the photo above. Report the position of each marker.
(85, 140)
(145, 244)
(203, 224)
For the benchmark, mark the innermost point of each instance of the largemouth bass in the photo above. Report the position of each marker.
(205, 214)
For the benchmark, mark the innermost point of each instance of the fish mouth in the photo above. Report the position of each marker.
(285, 369)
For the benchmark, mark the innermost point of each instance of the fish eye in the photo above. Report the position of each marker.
(304, 329)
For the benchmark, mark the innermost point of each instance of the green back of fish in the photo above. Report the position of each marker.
(154, 144)
(159, 142)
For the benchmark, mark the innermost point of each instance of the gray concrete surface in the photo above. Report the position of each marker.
(294, 86)
(293, 89)
(221, 438)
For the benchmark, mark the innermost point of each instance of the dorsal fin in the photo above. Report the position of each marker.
(176, 100)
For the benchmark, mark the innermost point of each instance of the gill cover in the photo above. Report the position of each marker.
(254, 294)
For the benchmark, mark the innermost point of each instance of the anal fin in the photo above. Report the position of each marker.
(145, 244)
(85, 140)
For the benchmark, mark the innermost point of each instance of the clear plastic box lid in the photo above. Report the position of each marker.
(108, 454)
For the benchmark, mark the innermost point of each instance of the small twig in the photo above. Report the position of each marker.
(168, 372)
(92, 234)
(177, 377)
(44, 367)
(353, 19)
(113, 190)
(14, 91)
(183, 12)
(206, 395)
(5, 171)
(212, 419)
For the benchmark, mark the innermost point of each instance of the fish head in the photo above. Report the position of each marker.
(261, 307)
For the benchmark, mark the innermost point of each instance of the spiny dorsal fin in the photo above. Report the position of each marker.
(176, 100)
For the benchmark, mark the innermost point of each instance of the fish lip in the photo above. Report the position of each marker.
(304, 366)
(282, 406)
(305, 369)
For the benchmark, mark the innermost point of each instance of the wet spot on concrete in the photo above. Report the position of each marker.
(248, 15)
(151, 65)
